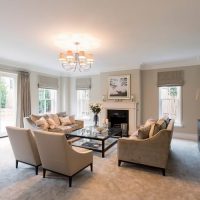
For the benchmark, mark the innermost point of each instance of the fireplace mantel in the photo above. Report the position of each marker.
(130, 106)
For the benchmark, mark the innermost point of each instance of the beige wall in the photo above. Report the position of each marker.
(100, 85)
(135, 86)
(191, 106)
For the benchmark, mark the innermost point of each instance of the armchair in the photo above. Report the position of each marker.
(58, 156)
(24, 146)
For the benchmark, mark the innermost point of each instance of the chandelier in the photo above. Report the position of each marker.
(76, 60)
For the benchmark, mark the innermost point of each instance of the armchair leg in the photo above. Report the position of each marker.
(44, 172)
(70, 181)
(36, 170)
(119, 163)
(163, 172)
(91, 167)
(16, 163)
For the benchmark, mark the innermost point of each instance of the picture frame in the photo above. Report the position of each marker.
(119, 87)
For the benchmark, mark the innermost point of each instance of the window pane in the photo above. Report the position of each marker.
(83, 105)
(47, 100)
(170, 103)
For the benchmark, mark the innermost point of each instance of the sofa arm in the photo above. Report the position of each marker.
(152, 151)
(80, 123)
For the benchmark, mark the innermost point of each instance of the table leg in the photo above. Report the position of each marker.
(103, 144)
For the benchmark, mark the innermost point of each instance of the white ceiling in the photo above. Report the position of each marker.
(132, 33)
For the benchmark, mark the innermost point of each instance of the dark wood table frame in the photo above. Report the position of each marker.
(103, 149)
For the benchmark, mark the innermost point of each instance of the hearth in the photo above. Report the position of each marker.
(118, 117)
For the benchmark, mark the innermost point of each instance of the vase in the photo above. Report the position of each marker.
(96, 119)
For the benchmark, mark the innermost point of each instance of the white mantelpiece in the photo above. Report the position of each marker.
(130, 106)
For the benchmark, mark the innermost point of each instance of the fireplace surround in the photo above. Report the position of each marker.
(125, 105)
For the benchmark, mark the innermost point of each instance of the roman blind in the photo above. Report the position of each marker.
(170, 78)
(47, 82)
(83, 83)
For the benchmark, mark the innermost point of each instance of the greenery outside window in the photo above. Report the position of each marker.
(47, 100)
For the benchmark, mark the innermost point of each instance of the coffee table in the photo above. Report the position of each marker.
(91, 139)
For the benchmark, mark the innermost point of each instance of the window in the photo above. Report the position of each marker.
(47, 100)
(8, 104)
(83, 97)
(170, 103)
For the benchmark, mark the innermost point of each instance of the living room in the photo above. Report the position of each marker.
(151, 49)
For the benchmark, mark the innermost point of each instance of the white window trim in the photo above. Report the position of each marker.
(178, 125)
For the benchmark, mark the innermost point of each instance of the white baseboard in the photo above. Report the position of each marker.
(185, 136)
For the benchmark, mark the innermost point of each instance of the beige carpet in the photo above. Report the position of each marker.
(108, 181)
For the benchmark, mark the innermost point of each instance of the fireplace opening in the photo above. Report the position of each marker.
(118, 117)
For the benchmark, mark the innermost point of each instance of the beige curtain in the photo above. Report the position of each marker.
(24, 97)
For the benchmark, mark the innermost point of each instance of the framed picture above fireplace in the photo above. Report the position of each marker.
(119, 87)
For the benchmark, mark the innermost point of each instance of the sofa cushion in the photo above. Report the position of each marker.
(72, 119)
(155, 128)
(143, 132)
(42, 123)
(55, 118)
(162, 123)
(65, 121)
(52, 124)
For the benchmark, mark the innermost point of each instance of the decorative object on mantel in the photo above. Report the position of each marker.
(132, 97)
(119, 87)
(73, 60)
(96, 109)
(104, 98)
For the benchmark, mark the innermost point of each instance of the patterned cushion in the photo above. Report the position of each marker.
(65, 121)
(72, 119)
(155, 128)
(162, 123)
(143, 132)
(52, 124)
(55, 118)
(42, 123)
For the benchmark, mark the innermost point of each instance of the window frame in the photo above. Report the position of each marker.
(53, 101)
(179, 124)
(86, 117)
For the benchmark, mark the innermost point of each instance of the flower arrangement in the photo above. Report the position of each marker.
(95, 107)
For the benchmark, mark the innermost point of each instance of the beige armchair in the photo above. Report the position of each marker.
(24, 147)
(152, 151)
(58, 156)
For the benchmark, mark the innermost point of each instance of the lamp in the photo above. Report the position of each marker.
(77, 60)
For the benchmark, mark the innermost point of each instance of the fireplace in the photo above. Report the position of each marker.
(131, 107)
(117, 117)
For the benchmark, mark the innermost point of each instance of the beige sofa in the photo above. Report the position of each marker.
(153, 151)
(30, 124)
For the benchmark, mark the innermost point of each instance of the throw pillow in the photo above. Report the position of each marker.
(65, 121)
(155, 128)
(52, 123)
(42, 123)
(55, 118)
(72, 119)
(143, 132)
(162, 123)
(34, 118)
